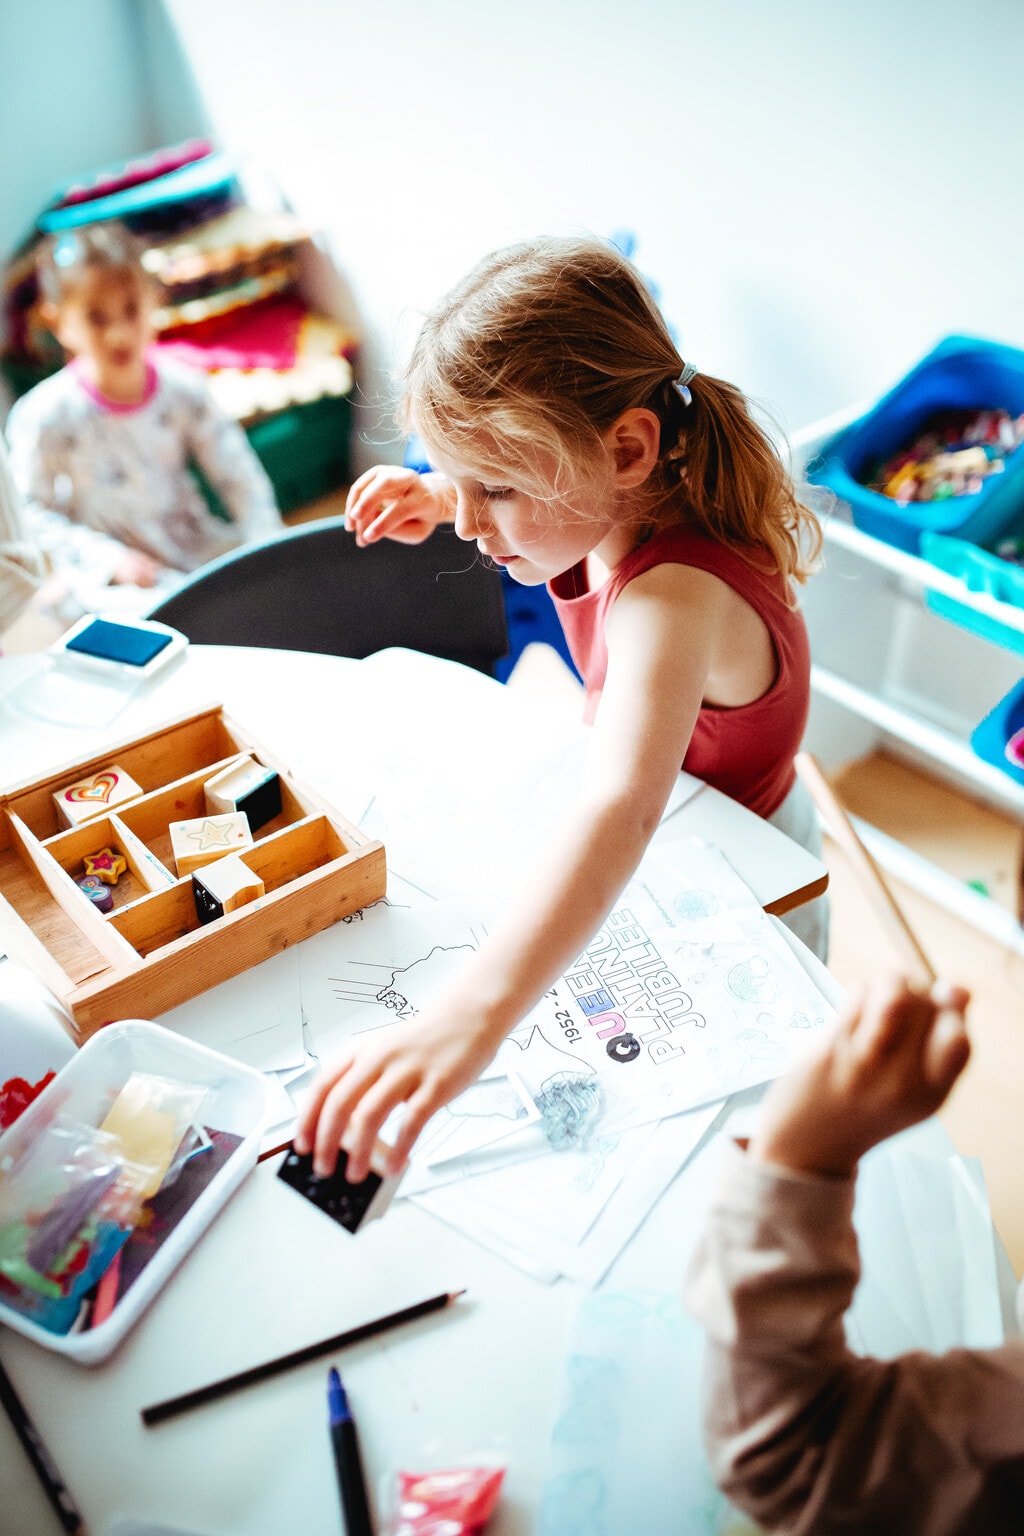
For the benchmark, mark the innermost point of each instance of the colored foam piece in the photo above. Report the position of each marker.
(203, 839)
(107, 864)
(961, 373)
(98, 893)
(148, 1135)
(94, 796)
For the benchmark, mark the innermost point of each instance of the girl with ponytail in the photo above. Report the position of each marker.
(571, 441)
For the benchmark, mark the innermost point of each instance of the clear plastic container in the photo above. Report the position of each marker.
(84, 1088)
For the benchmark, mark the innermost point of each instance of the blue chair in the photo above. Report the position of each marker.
(312, 589)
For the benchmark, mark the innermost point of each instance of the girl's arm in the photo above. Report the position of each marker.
(40, 470)
(807, 1438)
(229, 462)
(661, 636)
(802, 1434)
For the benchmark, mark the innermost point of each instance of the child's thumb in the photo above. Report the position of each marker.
(947, 1050)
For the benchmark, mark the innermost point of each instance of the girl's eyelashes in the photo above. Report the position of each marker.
(497, 492)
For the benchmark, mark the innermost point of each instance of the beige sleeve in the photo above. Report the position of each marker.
(808, 1438)
(21, 565)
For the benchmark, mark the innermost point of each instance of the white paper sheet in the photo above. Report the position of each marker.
(626, 1451)
(513, 751)
(255, 1018)
(573, 1211)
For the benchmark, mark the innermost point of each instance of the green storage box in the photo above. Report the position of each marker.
(305, 449)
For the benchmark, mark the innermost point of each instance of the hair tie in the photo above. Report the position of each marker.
(682, 384)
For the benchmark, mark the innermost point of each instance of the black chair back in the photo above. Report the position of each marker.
(312, 589)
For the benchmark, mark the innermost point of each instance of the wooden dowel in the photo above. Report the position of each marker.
(919, 968)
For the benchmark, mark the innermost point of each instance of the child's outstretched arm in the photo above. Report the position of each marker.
(803, 1435)
(889, 1063)
(660, 636)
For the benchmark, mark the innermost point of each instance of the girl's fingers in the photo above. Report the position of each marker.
(335, 1112)
(418, 1110)
(365, 1122)
(309, 1111)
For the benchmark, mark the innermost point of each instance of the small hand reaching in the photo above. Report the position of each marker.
(135, 568)
(422, 1063)
(388, 502)
(890, 1062)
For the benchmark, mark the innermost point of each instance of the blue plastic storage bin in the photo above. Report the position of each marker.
(962, 373)
(980, 571)
(989, 739)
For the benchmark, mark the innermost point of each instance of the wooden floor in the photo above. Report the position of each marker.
(985, 1113)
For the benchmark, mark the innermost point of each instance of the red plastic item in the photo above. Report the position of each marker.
(16, 1095)
(454, 1501)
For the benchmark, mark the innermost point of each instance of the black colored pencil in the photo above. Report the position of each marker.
(51, 1480)
(170, 1408)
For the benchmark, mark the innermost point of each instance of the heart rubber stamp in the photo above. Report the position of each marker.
(101, 791)
(101, 788)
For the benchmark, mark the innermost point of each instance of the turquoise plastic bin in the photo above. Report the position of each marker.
(962, 373)
(990, 737)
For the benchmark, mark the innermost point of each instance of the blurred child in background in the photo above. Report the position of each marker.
(20, 564)
(101, 451)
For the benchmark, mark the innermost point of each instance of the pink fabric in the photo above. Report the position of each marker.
(257, 336)
(745, 752)
(116, 407)
(136, 172)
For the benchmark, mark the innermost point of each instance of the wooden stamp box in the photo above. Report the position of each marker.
(150, 952)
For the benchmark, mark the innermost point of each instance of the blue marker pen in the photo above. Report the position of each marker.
(346, 1460)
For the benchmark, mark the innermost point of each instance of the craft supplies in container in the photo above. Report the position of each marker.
(940, 452)
(109, 1177)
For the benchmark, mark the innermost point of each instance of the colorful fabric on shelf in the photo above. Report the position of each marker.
(223, 251)
(146, 168)
(173, 317)
(278, 334)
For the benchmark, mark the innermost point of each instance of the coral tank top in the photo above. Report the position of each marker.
(747, 752)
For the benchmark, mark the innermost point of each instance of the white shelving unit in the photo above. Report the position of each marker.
(890, 673)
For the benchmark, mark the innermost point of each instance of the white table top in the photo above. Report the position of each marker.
(272, 1274)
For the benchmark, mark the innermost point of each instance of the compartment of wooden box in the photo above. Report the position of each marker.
(207, 740)
(145, 872)
(151, 953)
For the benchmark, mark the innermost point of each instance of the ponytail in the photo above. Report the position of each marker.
(736, 485)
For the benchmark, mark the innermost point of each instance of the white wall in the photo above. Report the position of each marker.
(820, 189)
(83, 84)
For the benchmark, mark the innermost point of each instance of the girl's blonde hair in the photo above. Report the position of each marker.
(545, 344)
(66, 258)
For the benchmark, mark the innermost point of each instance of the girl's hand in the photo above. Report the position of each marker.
(423, 1063)
(393, 503)
(134, 568)
(889, 1063)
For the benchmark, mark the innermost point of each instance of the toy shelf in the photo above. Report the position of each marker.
(892, 674)
(151, 951)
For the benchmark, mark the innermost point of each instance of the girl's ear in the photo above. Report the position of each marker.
(633, 440)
